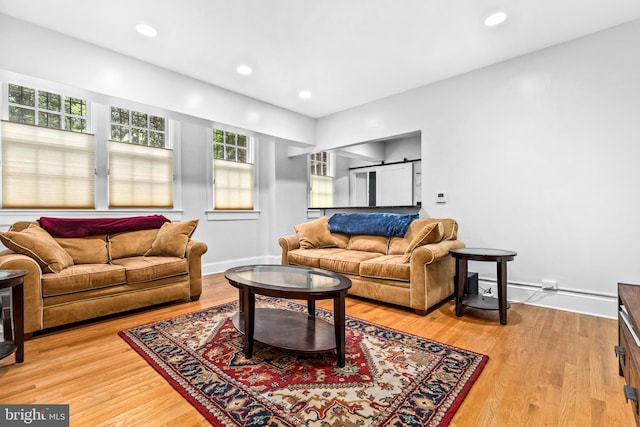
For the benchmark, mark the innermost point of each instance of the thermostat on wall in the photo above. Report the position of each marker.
(441, 197)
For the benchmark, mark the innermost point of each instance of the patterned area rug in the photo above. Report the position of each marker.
(390, 378)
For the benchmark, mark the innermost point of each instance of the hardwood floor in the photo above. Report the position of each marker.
(546, 367)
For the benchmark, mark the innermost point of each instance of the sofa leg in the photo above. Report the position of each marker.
(194, 297)
(421, 312)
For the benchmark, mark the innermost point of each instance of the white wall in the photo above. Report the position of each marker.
(37, 52)
(341, 185)
(290, 196)
(538, 154)
(402, 148)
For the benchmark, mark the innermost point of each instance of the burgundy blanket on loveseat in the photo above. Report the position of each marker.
(81, 227)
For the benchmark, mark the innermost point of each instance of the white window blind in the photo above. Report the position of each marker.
(47, 168)
(140, 176)
(233, 185)
(322, 172)
(321, 191)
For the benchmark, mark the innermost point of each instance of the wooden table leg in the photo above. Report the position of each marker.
(241, 302)
(461, 275)
(339, 324)
(311, 307)
(17, 302)
(249, 309)
(502, 291)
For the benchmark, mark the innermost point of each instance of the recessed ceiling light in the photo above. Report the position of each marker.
(304, 94)
(245, 70)
(146, 30)
(495, 19)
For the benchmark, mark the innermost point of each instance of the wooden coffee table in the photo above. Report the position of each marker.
(285, 328)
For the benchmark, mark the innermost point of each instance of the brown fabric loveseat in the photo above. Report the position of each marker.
(71, 279)
(414, 270)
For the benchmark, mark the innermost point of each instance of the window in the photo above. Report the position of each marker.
(47, 109)
(137, 128)
(52, 160)
(48, 158)
(140, 164)
(321, 180)
(233, 171)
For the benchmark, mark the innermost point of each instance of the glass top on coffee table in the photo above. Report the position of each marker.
(276, 277)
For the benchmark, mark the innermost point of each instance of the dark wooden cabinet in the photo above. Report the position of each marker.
(628, 348)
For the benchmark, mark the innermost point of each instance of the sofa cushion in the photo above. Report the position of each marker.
(417, 231)
(147, 268)
(131, 243)
(341, 239)
(398, 245)
(21, 225)
(36, 243)
(430, 233)
(172, 239)
(346, 261)
(368, 243)
(310, 257)
(81, 278)
(390, 267)
(450, 227)
(86, 250)
(314, 234)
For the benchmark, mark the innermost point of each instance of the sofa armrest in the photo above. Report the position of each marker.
(432, 272)
(195, 250)
(9, 260)
(434, 252)
(288, 243)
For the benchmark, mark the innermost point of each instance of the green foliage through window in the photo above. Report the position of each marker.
(136, 127)
(230, 146)
(48, 111)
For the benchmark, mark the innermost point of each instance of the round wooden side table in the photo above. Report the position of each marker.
(499, 256)
(14, 279)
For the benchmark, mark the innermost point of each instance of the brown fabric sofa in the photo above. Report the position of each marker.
(414, 270)
(78, 278)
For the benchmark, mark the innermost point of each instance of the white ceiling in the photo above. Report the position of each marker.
(346, 52)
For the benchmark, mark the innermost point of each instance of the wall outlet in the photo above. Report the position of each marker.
(550, 285)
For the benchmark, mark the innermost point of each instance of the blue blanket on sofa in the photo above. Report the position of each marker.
(381, 224)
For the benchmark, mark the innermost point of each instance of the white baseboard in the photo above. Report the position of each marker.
(576, 301)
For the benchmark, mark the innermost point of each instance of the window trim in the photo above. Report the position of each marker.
(60, 91)
(169, 132)
(253, 151)
(131, 127)
(330, 162)
(331, 173)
